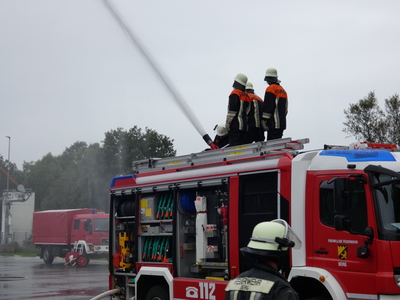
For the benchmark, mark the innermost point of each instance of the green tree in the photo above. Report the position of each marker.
(147, 144)
(40, 177)
(123, 147)
(96, 179)
(392, 108)
(80, 177)
(366, 121)
(114, 151)
(67, 190)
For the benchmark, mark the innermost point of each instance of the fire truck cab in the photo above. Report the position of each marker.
(177, 224)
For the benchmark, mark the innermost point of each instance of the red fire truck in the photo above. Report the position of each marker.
(74, 234)
(177, 224)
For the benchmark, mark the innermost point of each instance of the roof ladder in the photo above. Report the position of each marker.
(218, 155)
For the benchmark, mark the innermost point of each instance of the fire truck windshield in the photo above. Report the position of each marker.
(386, 186)
(101, 225)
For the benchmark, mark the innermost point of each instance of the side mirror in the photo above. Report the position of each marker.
(363, 251)
(369, 232)
(342, 223)
(341, 194)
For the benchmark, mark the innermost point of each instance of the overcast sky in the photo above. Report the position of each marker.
(69, 73)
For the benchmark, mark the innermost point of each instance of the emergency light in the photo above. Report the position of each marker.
(357, 155)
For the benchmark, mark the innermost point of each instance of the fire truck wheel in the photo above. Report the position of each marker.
(47, 255)
(157, 292)
(82, 260)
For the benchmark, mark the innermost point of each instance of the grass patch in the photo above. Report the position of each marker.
(28, 251)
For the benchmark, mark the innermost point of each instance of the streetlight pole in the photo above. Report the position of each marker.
(8, 164)
(5, 201)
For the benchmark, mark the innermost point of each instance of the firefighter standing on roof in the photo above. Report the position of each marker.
(236, 119)
(268, 248)
(254, 131)
(275, 106)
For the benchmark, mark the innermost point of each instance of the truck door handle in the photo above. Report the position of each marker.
(321, 251)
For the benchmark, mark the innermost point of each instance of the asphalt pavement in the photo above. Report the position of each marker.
(30, 278)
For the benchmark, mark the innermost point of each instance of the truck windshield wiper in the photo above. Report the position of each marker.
(382, 170)
(377, 185)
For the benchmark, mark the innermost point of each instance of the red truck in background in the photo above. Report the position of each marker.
(74, 234)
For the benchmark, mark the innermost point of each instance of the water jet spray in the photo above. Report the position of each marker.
(168, 84)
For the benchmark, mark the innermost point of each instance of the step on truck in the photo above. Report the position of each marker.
(177, 224)
(77, 235)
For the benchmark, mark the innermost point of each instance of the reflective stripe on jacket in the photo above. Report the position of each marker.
(255, 111)
(262, 282)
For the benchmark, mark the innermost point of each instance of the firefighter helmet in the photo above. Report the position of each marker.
(241, 78)
(249, 86)
(271, 240)
(271, 75)
(221, 130)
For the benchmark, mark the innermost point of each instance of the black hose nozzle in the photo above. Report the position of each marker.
(209, 142)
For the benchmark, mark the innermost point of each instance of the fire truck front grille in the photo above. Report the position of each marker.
(104, 241)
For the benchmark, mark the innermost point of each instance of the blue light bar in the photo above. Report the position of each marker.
(129, 179)
(361, 155)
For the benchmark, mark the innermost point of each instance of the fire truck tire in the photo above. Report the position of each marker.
(47, 255)
(157, 292)
(82, 260)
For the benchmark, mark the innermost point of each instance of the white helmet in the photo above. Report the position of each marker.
(271, 75)
(241, 78)
(249, 86)
(271, 239)
(221, 130)
(271, 72)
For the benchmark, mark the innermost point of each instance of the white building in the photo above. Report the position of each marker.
(20, 219)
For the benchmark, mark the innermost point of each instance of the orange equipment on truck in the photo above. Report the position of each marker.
(75, 234)
(185, 218)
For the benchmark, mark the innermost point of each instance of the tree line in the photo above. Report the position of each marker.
(80, 177)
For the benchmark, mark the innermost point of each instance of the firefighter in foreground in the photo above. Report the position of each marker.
(268, 248)
(275, 106)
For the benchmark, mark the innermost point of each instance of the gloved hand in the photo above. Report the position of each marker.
(264, 125)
